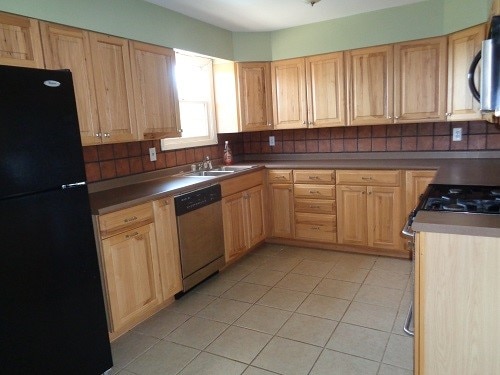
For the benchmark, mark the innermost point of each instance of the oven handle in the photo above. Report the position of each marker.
(409, 317)
(407, 231)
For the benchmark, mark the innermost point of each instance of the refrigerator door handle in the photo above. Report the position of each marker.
(76, 184)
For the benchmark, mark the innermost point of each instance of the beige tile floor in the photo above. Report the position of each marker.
(281, 310)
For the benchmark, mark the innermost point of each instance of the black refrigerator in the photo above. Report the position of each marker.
(52, 317)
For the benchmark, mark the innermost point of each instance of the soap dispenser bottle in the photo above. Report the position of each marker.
(228, 155)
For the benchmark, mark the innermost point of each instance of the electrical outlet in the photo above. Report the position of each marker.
(152, 154)
(271, 140)
(457, 134)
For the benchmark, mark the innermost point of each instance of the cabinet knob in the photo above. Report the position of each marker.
(269, 124)
(396, 117)
(448, 114)
(389, 117)
(98, 135)
(107, 135)
(303, 122)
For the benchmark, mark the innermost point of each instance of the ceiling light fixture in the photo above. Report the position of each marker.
(312, 2)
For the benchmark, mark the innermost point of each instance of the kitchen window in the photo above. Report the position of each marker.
(194, 77)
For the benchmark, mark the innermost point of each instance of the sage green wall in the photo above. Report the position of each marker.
(132, 19)
(139, 20)
(420, 20)
(465, 13)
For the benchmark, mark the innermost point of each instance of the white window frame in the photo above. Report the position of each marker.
(211, 138)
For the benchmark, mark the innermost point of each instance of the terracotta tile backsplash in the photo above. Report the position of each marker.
(109, 161)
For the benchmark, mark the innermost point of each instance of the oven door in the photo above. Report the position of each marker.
(409, 234)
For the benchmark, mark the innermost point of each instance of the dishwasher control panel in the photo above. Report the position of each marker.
(196, 199)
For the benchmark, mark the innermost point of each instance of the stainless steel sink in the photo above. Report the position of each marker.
(211, 173)
(233, 168)
(218, 171)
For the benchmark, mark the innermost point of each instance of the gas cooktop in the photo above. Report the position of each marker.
(461, 198)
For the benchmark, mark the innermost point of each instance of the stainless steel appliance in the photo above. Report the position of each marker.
(52, 318)
(410, 235)
(201, 236)
(451, 200)
(489, 97)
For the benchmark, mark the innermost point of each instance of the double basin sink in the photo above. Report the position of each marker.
(218, 171)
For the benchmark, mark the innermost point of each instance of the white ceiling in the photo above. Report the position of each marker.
(269, 15)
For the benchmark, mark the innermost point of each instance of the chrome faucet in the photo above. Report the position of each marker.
(206, 164)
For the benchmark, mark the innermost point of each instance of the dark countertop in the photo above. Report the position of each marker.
(114, 195)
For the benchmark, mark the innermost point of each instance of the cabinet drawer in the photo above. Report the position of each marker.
(237, 184)
(314, 191)
(280, 175)
(314, 177)
(119, 221)
(318, 206)
(369, 177)
(315, 227)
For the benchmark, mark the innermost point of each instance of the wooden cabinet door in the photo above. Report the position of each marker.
(233, 218)
(168, 247)
(155, 92)
(289, 93)
(420, 80)
(370, 75)
(20, 43)
(282, 213)
(255, 209)
(416, 183)
(351, 215)
(325, 90)
(384, 215)
(131, 272)
(255, 96)
(113, 84)
(462, 47)
(69, 48)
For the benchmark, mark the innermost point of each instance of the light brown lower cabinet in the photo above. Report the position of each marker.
(457, 304)
(140, 262)
(243, 214)
(132, 276)
(370, 210)
(281, 203)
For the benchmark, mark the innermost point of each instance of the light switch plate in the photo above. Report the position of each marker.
(152, 154)
(271, 140)
(457, 134)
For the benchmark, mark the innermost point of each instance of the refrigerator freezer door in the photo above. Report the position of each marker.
(39, 134)
(52, 318)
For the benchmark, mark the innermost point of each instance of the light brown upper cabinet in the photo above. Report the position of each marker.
(309, 92)
(370, 85)
(462, 47)
(20, 43)
(155, 92)
(243, 96)
(420, 80)
(113, 85)
(69, 48)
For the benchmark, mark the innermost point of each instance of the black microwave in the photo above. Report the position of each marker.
(488, 94)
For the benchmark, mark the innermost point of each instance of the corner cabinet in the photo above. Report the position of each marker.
(420, 80)
(243, 96)
(155, 92)
(20, 43)
(243, 214)
(370, 210)
(462, 47)
(309, 92)
(113, 85)
(69, 48)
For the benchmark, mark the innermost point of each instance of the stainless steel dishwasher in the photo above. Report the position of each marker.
(201, 236)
